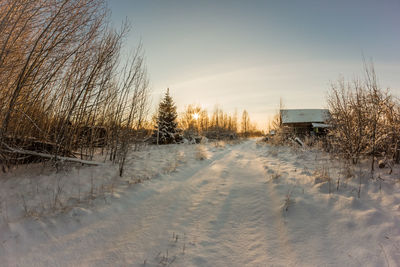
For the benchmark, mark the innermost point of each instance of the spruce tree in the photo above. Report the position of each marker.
(166, 128)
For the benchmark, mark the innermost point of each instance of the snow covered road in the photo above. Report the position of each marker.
(227, 210)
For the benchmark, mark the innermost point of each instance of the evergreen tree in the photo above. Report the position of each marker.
(166, 128)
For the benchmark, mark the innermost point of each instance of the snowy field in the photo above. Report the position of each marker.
(215, 204)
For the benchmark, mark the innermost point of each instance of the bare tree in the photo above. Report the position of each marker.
(245, 123)
(61, 83)
(364, 119)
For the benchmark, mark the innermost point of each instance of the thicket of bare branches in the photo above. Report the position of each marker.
(365, 119)
(62, 86)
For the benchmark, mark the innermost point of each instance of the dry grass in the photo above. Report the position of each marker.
(322, 175)
(288, 202)
(201, 153)
(219, 144)
(277, 173)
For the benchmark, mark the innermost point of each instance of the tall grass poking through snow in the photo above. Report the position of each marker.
(172, 253)
(322, 175)
(288, 201)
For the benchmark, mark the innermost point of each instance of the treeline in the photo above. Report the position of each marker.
(62, 84)
(195, 122)
(365, 119)
(217, 125)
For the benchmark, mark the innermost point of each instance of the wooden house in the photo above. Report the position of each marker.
(304, 121)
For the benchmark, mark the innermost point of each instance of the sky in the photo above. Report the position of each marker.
(250, 54)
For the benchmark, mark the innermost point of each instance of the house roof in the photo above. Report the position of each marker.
(304, 115)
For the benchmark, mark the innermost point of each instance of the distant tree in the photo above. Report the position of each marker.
(235, 122)
(166, 125)
(204, 121)
(190, 118)
(245, 122)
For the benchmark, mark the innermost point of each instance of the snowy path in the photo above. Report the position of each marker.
(224, 211)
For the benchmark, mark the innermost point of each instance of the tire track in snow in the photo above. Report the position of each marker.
(140, 220)
(225, 208)
(243, 225)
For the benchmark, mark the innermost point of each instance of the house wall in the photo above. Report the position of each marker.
(302, 129)
(297, 128)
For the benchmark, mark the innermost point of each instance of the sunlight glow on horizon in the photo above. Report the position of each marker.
(247, 55)
(226, 88)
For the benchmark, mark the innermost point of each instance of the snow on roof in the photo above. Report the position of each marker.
(304, 115)
(320, 125)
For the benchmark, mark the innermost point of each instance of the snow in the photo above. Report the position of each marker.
(304, 115)
(216, 204)
(320, 125)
